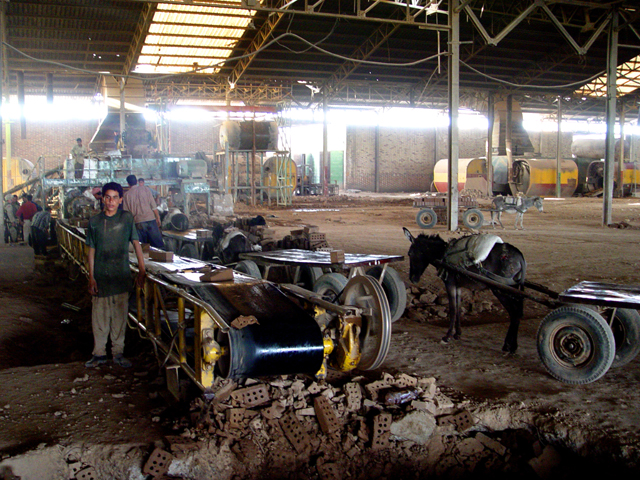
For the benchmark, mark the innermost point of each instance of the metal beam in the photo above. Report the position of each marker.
(364, 51)
(259, 40)
(454, 92)
(141, 30)
(609, 160)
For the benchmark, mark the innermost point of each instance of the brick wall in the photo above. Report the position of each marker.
(406, 156)
(53, 140)
(194, 137)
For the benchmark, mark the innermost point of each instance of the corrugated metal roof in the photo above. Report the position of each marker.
(183, 38)
(628, 80)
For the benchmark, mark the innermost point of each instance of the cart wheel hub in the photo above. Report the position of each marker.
(572, 346)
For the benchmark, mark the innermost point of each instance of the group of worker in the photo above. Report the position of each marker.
(27, 223)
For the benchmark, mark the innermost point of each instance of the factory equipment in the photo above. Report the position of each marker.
(239, 326)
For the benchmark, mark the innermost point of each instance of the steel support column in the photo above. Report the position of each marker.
(454, 101)
(609, 155)
(559, 150)
(490, 122)
(325, 144)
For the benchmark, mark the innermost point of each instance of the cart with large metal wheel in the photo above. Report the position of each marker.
(592, 326)
(315, 270)
(433, 211)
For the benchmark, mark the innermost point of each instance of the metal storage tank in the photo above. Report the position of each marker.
(472, 175)
(537, 177)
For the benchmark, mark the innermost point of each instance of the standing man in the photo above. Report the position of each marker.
(25, 213)
(78, 154)
(40, 231)
(139, 201)
(110, 276)
(11, 218)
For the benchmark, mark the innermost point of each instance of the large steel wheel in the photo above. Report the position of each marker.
(626, 331)
(366, 293)
(576, 345)
(426, 218)
(394, 289)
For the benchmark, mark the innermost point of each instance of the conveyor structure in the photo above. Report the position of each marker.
(248, 327)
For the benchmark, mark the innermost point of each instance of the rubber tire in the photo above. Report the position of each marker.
(170, 244)
(394, 288)
(189, 250)
(330, 286)
(596, 341)
(473, 218)
(309, 276)
(427, 218)
(248, 267)
(626, 331)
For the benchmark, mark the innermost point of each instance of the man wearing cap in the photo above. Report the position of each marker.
(78, 154)
(139, 201)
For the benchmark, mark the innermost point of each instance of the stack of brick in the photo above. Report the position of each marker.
(307, 238)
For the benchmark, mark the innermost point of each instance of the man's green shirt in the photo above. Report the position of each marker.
(110, 236)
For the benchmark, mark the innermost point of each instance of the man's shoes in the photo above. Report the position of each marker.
(120, 360)
(96, 361)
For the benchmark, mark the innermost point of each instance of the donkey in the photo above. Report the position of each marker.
(500, 262)
(517, 205)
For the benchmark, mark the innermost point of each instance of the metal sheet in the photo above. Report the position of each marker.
(316, 258)
(603, 294)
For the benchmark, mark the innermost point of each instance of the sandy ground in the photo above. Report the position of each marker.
(50, 404)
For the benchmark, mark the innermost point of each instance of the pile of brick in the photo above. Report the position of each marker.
(424, 303)
(293, 427)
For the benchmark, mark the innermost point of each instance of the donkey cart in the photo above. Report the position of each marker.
(592, 326)
(433, 210)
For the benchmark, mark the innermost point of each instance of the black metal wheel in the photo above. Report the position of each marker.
(626, 331)
(576, 345)
(248, 267)
(330, 286)
(426, 218)
(189, 250)
(473, 218)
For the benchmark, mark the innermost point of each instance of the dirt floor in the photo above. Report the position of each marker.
(56, 415)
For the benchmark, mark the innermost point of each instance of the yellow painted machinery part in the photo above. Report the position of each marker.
(288, 172)
(347, 353)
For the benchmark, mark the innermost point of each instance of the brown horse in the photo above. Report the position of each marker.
(504, 264)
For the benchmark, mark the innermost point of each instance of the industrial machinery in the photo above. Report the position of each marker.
(242, 327)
